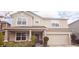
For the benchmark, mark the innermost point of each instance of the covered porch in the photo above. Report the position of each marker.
(18, 34)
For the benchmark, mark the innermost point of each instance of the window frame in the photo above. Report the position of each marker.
(36, 22)
(22, 20)
(21, 36)
(55, 25)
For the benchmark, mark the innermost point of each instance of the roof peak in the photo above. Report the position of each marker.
(49, 18)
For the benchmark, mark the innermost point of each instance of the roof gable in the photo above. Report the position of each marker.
(29, 13)
(55, 19)
(34, 14)
(19, 12)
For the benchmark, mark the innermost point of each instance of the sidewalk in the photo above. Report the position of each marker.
(39, 45)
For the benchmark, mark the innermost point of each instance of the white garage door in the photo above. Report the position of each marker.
(58, 39)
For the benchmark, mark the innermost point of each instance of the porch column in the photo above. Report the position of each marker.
(6, 36)
(30, 35)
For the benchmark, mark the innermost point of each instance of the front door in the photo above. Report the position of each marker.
(37, 38)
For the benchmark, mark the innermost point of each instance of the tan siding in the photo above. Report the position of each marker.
(37, 19)
(58, 30)
(14, 21)
(48, 23)
(63, 24)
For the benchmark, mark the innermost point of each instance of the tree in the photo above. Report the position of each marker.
(1, 39)
(73, 38)
(45, 41)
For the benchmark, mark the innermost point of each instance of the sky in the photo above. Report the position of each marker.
(72, 16)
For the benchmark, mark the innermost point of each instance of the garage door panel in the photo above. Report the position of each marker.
(58, 39)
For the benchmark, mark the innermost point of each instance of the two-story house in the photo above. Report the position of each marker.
(26, 23)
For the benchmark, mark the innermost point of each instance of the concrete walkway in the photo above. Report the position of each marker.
(39, 45)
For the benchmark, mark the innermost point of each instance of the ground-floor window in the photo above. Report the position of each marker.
(21, 36)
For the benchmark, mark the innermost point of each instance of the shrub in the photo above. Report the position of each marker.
(46, 38)
(1, 39)
(9, 44)
(45, 41)
(73, 38)
(29, 43)
(18, 44)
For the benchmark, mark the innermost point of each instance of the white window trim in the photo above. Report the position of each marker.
(20, 40)
(55, 26)
(37, 24)
(21, 22)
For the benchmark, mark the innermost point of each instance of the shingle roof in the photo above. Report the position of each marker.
(55, 18)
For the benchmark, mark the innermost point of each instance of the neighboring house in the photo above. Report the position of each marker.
(3, 24)
(26, 23)
(1, 18)
(74, 28)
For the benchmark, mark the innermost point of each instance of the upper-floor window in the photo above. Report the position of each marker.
(55, 25)
(36, 21)
(21, 21)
